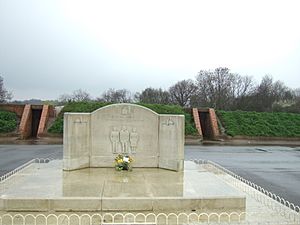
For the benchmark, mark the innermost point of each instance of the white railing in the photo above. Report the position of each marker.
(23, 166)
(131, 218)
(16, 170)
(119, 218)
(267, 198)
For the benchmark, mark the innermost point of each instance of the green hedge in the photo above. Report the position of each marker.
(190, 128)
(57, 126)
(260, 123)
(8, 121)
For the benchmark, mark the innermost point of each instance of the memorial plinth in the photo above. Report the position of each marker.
(46, 187)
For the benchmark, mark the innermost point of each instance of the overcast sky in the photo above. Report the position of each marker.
(51, 47)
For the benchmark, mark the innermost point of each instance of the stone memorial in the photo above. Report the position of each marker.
(82, 181)
(95, 139)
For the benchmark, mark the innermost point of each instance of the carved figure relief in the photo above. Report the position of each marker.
(124, 139)
(128, 141)
(114, 138)
(134, 138)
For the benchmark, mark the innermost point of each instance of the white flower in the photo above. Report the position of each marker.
(126, 159)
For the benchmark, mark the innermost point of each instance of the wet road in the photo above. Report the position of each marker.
(12, 156)
(276, 169)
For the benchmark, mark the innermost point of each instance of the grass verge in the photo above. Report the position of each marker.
(260, 123)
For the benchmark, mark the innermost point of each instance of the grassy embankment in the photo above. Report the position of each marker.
(261, 124)
(57, 126)
(8, 122)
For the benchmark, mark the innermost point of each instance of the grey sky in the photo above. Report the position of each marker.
(51, 47)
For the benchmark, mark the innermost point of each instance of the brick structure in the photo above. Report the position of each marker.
(44, 119)
(26, 120)
(206, 122)
(18, 109)
(197, 121)
(214, 123)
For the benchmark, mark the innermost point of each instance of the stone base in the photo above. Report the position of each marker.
(45, 187)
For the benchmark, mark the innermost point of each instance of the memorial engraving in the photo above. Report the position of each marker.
(168, 122)
(115, 139)
(124, 141)
(134, 138)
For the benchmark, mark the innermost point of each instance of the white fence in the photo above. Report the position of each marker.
(267, 198)
(22, 167)
(119, 218)
(249, 185)
(128, 218)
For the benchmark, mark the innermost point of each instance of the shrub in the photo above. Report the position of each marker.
(164, 109)
(190, 128)
(57, 126)
(8, 121)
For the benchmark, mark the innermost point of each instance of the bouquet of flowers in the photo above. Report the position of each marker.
(123, 162)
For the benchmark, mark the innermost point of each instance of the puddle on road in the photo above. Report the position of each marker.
(261, 150)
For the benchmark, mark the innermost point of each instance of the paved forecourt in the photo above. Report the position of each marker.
(46, 187)
(202, 192)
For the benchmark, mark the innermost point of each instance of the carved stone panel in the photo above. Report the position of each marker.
(124, 140)
(124, 129)
(94, 139)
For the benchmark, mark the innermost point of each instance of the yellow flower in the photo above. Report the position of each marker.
(120, 160)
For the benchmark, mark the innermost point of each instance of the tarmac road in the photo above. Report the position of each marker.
(13, 156)
(274, 168)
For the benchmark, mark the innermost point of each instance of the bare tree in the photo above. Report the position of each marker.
(116, 96)
(297, 92)
(214, 88)
(4, 94)
(182, 91)
(241, 88)
(267, 93)
(64, 98)
(153, 96)
(219, 88)
(76, 96)
(80, 95)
